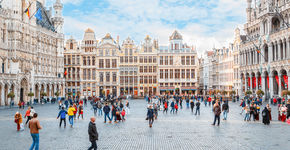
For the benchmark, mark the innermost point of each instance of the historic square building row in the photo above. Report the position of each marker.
(31, 51)
(105, 67)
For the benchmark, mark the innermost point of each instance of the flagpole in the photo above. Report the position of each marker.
(34, 13)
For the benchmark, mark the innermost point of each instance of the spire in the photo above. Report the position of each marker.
(58, 18)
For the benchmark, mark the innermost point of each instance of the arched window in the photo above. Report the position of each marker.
(71, 46)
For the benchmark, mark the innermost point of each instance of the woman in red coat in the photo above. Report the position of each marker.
(76, 110)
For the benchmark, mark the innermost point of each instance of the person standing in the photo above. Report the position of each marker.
(18, 121)
(123, 113)
(99, 105)
(70, 113)
(172, 107)
(225, 109)
(106, 110)
(150, 116)
(165, 107)
(266, 116)
(270, 110)
(217, 112)
(247, 111)
(176, 107)
(93, 134)
(75, 110)
(34, 127)
(191, 105)
(27, 114)
(288, 109)
(197, 108)
(81, 111)
(62, 115)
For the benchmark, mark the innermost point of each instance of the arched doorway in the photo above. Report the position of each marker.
(275, 82)
(23, 90)
(1, 98)
(5, 94)
(284, 80)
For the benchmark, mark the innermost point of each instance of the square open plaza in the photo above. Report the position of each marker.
(159, 88)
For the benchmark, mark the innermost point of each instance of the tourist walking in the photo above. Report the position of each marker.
(197, 108)
(266, 116)
(270, 110)
(93, 134)
(27, 114)
(172, 107)
(123, 113)
(247, 111)
(106, 110)
(155, 109)
(191, 105)
(176, 107)
(217, 112)
(127, 107)
(18, 121)
(243, 105)
(165, 107)
(75, 110)
(81, 111)
(70, 113)
(150, 116)
(225, 109)
(34, 127)
(62, 114)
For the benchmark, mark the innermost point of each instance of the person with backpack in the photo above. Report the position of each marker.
(197, 108)
(225, 109)
(62, 114)
(217, 112)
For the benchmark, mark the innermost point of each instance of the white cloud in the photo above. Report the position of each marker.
(206, 23)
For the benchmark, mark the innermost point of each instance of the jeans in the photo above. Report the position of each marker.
(35, 143)
(100, 112)
(225, 113)
(28, 118)
(93, 146)
(151, 120)
(216, 117)
(205, 103)
(113, 116)
(172, 109)
(107, 115)
(62, 119)
(247, 117)
(71, 120)
(197, 110)
(187, 105)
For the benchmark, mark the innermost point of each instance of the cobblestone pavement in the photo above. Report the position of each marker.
(178, 131)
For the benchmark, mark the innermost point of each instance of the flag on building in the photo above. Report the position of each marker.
(258, 51)
(27, 10)
(38, 14)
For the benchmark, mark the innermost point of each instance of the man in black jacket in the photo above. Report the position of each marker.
(93, 134)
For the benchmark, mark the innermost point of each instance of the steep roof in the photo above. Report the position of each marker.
(175, 36)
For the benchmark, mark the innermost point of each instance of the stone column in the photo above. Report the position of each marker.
(280, 84)
(287, 49)
(271, 89)
(270, 51)
(284, 49)
(263, 82)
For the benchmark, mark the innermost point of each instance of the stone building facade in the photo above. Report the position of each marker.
(31, 51)
(108, 68)
(265, 54)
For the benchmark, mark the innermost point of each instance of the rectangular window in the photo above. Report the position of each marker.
(150, 59)
(154, 59)
(166, 73)
(94, 74)
(101, 77)
(187, 73)
(126, 59)
(84, 74)
(187, 60)
(114, 63)
(171, 60)
(161, 73)
(145, 59)
(121, 59)
(183, 73)
(145, 80)
(161, 60)
(154, 69)
(141, 69)
(131, 59)
(135, 59)
(166, 60)
(107, 63)
(141, 59)
(192, 73)
(141, 79)
(107, 76)
(183, 60)
(73, 59)
(171, 73)
(177, 73)
(154, 79)
(145, 69)
(101, 63)
(78, 59)
(192, 60)
(114, 77)
(150, 68)
(150, 79)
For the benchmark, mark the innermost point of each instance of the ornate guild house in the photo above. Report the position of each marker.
(31, 51)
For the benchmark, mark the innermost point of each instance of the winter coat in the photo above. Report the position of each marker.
(266, 116)
(93, 133)
(150, 113)
(217, 110)
(62, 114)
(106, 109)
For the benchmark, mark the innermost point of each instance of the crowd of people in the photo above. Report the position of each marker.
(115, 110)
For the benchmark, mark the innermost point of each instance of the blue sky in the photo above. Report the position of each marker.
(203, 23)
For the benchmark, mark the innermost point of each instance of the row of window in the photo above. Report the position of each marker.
(147, 59)
(128, 59)
(108, 63)
(148, 79)
(128, 80)
(107, 76)
(147, 69)
(177, 73)
(187, 60)
(175, 84)
(166, 60)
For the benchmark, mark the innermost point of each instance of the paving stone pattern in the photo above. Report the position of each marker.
(182, 131)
